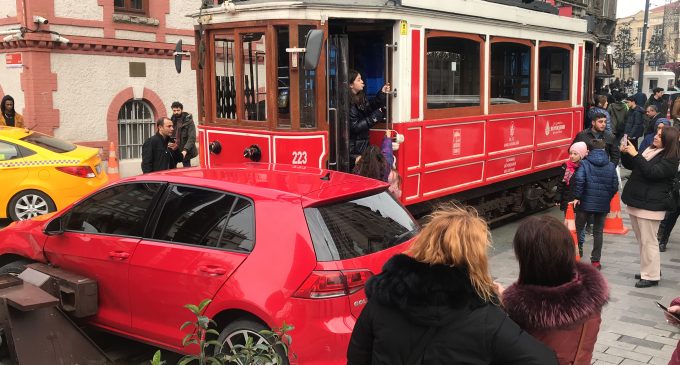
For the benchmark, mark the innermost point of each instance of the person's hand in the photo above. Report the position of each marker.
(172, 146)
(386, 88)
(630, 149)
(184, 154)
(670, 318)
(499, 288)
(575, 202)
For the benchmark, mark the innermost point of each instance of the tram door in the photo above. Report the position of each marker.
(338, 102)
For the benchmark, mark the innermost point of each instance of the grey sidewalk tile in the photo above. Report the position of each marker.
(628, 354)
(640, 342)
(632, 362)
(664, 340)
(612, 359)
(658, 361)
(654, 352)
(637, 321)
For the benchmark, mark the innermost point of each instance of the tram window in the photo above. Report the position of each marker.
(282, 77)
(225, 88)
(554, 76)
(254, 76)
(307, 86)
(452, 72)
(510, 73)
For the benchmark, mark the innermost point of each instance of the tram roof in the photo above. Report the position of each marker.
(389, 9)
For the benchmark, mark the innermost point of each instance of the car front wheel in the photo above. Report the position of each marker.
(30, 203)
(237, 332)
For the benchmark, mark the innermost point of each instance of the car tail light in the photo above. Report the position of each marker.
(331, 284)
(80, 171)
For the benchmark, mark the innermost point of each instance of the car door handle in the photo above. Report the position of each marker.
(120, 255)
(213, 270)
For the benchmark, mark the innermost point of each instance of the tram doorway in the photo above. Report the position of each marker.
(359, 46)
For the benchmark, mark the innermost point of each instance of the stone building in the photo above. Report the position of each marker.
(110, 81)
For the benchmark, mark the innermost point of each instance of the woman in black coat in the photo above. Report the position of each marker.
(648, 195)
(440, 305)
(363, 113)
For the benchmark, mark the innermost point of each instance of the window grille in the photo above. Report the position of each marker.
(135, 125)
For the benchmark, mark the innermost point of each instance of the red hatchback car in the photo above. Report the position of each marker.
(267, 243)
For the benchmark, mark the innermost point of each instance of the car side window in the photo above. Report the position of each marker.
(8, 151)
(118, 210)
(206, 218)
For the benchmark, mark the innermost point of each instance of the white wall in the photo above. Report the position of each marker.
(8, 8)
(87, 85)
(178, 10)
(79, 9)
(10, 81)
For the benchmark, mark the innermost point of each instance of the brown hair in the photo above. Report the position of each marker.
(359, 99)
(545, 251)
(372, 164)
(457, 236)
(670, 143)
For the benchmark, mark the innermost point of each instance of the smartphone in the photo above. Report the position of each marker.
(674, 315)
(624, 141)
(173, 139)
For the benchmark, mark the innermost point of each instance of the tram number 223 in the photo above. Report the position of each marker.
(299, 157)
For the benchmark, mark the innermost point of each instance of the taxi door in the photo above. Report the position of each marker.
(13, 174)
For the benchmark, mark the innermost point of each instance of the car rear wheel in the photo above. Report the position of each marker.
(238, 331)
(14, 267)
(30, 203)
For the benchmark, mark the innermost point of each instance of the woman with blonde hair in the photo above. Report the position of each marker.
(439, 304)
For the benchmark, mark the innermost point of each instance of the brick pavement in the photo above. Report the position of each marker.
(633, 330)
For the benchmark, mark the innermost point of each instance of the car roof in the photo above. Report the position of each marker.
(13, 132)
(277, 181)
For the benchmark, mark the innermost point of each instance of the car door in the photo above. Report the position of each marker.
(12, 171)
(100, 236)
(201, 236)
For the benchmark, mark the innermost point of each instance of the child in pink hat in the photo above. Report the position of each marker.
(577, 152)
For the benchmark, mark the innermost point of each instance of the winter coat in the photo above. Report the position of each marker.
(156, 156)
(361, 118)
(661, 105)
(594, 110)
(18, 118)
(596, 183)
(635, 122)
(611, 145)
(565, 191)
(675, 358)
(566, 318)
(409, 297)
(184, 126)
(619, 114)
(649, 136)
(650, 183)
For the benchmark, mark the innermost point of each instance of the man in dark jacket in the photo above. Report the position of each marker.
(596, 184)
(653, 115)
(634, 122)
(598, 131)
(658, 101)
(156, 155)
(600, 108)
(185, 134)
(618, 110)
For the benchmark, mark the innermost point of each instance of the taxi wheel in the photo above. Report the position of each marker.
(28, 204)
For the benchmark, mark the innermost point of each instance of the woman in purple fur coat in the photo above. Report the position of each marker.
(555, 299)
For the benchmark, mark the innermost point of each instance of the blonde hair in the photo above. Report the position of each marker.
(457, 236)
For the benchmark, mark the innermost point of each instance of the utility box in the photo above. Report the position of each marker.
(77, 294)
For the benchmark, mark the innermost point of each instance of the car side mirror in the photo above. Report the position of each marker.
(313, 46)
(55, 227)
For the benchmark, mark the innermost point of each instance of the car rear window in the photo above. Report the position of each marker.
(358, 227)
(49, 143)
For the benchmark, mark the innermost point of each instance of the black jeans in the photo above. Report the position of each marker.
(666, 225)
(598, 228)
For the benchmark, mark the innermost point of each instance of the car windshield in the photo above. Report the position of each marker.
(49, 143)
(359, 227)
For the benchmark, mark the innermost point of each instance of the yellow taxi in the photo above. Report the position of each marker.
(40, 174)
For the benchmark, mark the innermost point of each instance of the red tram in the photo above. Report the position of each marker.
(486, 96)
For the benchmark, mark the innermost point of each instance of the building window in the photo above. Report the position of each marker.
(554, 76)
(638, 40)
(453, 72)
(135, 125)
(510, 73)
(131, 6)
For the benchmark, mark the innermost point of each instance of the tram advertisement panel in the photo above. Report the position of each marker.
(553, 128)
(452, 142)
(505, 166)
(510, 134)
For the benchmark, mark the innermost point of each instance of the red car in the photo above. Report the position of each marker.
(267, 243)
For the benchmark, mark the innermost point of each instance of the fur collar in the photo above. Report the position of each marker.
(428, 294)
(564, 306)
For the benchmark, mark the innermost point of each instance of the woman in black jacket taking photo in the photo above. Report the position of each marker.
(648, 195)
(440, 305)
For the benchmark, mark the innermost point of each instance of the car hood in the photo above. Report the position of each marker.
(25, 238)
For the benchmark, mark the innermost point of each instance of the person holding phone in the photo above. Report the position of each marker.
(672, 314)
(156, 152)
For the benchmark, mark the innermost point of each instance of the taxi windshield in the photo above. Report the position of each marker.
(49, 143)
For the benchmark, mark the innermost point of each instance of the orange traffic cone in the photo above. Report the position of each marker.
(112, 169)
(613, 224)
(569, 221)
